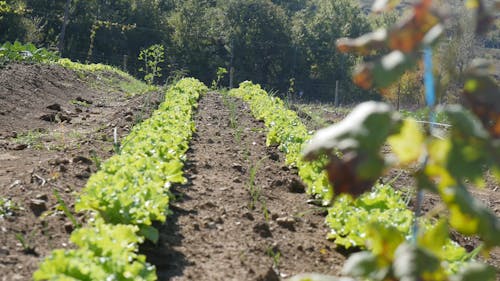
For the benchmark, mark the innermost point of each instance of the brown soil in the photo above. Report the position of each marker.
(55, 126)
(39, 157)
(219, 230)
(242, 216)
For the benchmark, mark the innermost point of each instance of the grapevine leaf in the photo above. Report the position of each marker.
(454, 160)
(359, 136)
(469, 216)
(483, 96)
(413, 263)
(365, 265)
(384, 240)
(384, 5)
(464, 124)
(382, 73)
(354, 174)
(434, 238)
(407, 35)
(365, 44)
(470, 148)
(408, 144)
(421, 28)
(472, 4)
(366, 128)
(474, 272)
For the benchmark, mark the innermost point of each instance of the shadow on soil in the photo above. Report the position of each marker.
(169, 262)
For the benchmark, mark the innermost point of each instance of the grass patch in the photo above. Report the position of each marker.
(32, 139)
(135, 87)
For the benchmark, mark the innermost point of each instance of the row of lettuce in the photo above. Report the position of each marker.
(128, 195)
(348, 219)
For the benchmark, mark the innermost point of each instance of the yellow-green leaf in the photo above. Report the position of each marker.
(408, 144)
(384, 5)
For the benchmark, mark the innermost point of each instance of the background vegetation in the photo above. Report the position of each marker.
(283, 45)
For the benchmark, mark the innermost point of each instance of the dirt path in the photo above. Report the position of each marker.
(39, 157)
(221, 230)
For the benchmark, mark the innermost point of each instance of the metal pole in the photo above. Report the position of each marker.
(231, 67)
(337, 93)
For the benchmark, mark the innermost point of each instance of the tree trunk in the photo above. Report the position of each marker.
(63, 28)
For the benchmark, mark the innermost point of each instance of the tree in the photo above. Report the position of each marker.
(315, 31)
(456, 55)
(258, 35)
(193, 43)
(14, 25)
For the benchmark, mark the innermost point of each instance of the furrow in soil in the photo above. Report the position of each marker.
(243, 215)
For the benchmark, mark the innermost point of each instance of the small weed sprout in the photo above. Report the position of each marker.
(254, 190)
(231, 104)
(237, 134)
(275, 254)
(63, 207)
(221, 72)
(96, 159)
(28, 248)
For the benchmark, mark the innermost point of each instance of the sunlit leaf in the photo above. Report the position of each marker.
(384, 5)
(408, 144)
(365, 44)
(354, 174)
(433, 35)
(472, 4)
(377, 40)
(383, 240)
(469, 216)
(435, 238)
(366, 127)
(407, 35)
(384, 72)
(413, 263)
(471, 148)
(365, 265)
(359, 136)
